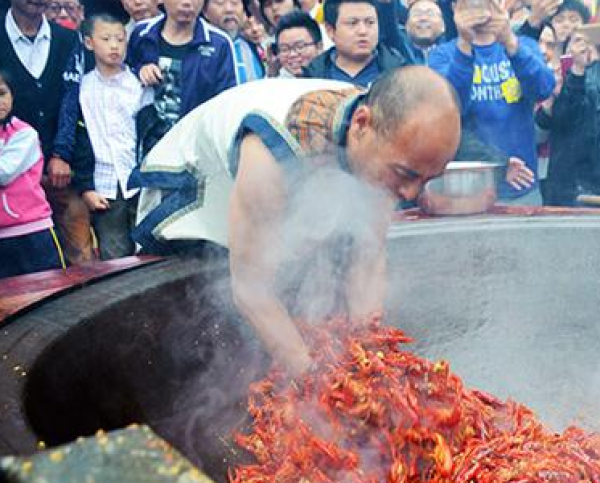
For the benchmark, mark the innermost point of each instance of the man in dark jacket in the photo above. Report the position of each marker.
(424, 30)
(357, 55)
(185, 59)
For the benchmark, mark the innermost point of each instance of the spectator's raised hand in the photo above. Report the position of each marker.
(499, 26)
(94, 201)
(542, 10)
(467, 16)
(518, 175)
(150, 75)
(273, 62)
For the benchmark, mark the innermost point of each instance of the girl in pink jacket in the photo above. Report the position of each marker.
(28, 242)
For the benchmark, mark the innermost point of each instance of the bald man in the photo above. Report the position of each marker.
(245, 174)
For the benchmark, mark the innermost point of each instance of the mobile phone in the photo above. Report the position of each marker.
(591, 32)
(566, 62)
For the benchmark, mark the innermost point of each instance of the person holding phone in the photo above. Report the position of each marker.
(499, 77)
(574, 134)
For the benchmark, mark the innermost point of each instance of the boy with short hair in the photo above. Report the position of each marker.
(110, 97)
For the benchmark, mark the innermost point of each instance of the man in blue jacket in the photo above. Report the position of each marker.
(185, 59)
(498, 77)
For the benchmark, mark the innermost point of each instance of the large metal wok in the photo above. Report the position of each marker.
(512, 303)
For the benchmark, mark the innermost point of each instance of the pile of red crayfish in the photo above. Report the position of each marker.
(373, 413)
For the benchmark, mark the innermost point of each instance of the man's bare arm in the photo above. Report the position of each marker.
(366, 283)
(257, 204)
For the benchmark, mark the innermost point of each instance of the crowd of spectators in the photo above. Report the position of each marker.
(98, 93)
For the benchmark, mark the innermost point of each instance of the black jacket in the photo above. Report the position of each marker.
(574, 134)
(386, 60)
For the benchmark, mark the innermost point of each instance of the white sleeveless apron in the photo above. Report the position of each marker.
(186, 179)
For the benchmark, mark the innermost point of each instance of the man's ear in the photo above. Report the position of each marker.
(362, 120)
(330, 29)
(88, 42)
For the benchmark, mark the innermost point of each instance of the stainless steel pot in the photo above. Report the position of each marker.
(465, 188)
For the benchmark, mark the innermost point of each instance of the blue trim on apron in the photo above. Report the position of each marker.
(179, 190)
(273, 138)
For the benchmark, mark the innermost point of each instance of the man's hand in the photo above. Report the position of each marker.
(273, 62)
(466, 19)
(94, 201)
(298, 363)
(518, 175)
(542, 10)
(59, 172)
(150, 75)
(499, 26)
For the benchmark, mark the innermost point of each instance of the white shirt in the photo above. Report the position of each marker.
(33, 55)
(109, 106)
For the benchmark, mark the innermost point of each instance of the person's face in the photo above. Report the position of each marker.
(68, 13)
(108, 42)
(425, 22)
(6, 100)
(547, 44)
(275, 9)
(226, 14)
(30, 8)
(296, 48)
(254, 30)
(184, 12)
(565, 23)
(403, 162)
(356, 32)
(140, 9)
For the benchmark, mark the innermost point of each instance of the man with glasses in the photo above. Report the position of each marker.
(424, 30)
(67, 13)
(357, 55)
(298, 41)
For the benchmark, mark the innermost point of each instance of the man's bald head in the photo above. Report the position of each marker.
(405, 131)
(401, 92)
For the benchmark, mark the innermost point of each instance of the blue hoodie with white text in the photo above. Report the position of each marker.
(498, 93)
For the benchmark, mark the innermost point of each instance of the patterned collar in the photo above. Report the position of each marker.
(341, 124)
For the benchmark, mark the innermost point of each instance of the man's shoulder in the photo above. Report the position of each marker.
(319, 65)
(63, 34)
(388, 58)
(147, 28)
(213, 34)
